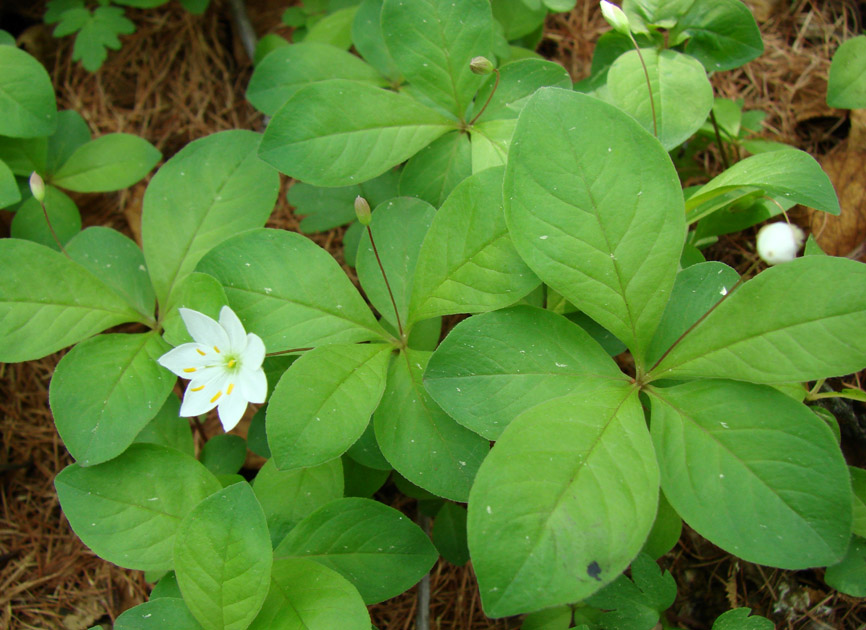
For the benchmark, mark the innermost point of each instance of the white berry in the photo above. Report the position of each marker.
(779, 242)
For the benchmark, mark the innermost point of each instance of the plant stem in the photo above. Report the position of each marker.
(487, 102)
(724, 155)
(290, 351)
(649, 86)
(387, 284)
(53, 233)
(422, 616)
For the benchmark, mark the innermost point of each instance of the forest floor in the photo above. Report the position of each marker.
(180, 77)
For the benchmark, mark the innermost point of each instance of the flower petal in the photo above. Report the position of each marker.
(204, 330)
(186, 359)
(253, 384)
(200, 399)
(231, 409)
(234, 329)
(255, 352)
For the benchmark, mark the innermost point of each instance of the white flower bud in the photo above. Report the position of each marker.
(37, 187)
(779, 242)
(362, 211)
(615, 17)
(481, 65)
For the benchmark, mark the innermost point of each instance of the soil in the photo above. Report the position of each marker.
(180, 77)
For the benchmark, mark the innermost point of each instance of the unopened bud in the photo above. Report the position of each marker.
(481, 65)
(37, 187)
(779, 242)
(615, 17)
(362, 210)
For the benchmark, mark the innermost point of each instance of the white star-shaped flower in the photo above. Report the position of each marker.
(224, 365)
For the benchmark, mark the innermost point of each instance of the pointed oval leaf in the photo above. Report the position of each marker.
(105, 391)
(29, 219)
(609, 244)
(290, 291)
(753, 471)
(436, 169)
(289, 68)
(210, 190)
(572, 478)
(222, 556)
(9, 192)
(287, 496)
(338, 132)
(518, 80)
(306, 595)
(467, 262)
(809, 328)
(158, 614)
(681, 93)
(48, 302)
(846, 86)
(378, 549)
(494, 366)
(169, 429)
(26, 96)
(324, 401)
(128, 510)
(432, 43)
(421, 441)
(722, 34)
(72, 132)
(111, 162)
(368, 40)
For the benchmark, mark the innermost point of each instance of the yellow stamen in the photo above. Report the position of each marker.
(215, 398)
(200, 352)
(197, 389)
(189, 370)
(217, 349)
(231, 387)
(231, 363)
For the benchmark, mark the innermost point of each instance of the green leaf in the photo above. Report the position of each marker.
(557, 618)
(432, 42)
(338, 132)
(9, 193)
(846, 87)
(324, 401)
(449, 533)
(518, 81)
(54, 9)
(111, 162)
(849, 575)
(419, 439)
(609, 244)
(398, 227)
(72, 132)
(105, 391)
(266, 45)
(288, 496)
(369, 42)
(791, 175)
(722, 34)
(24, 155)
(655, 12)
(697, 290)
(168, 429)
(809, 328)
(739, 619)
(666, 530)
(334, 29)
(328, 208)
(434, 171)
(467, 262)
(29, 221)
(49, 302)
(222, 556)
(681, 93)
(366, 451)
(361, 481)
(858, 485)
(636, 603)
(493, 367)
(196, 7)
(97, 32)
(289, 291)
(198, 291)
(380, 551)
(753, 471)
(224, 454)
(288, 69)
(157, 614)
(128, 510)
(211, 189)
(118, 262)
(574, 477)
(305, 595)
(490, 143)
(26, 96)
(517, 17)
